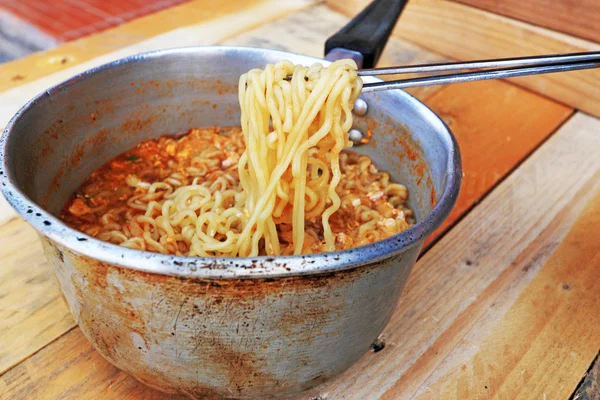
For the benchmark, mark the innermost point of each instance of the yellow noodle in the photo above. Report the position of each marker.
(316, 104)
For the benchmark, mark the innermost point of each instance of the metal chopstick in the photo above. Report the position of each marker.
(478, 75)
(497, 63)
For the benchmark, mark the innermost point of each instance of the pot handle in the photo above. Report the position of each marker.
(366, 34)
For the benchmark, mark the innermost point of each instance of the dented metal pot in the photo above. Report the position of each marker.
(224, 327)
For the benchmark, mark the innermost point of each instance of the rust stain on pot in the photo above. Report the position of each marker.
(200, 319)
(104, 106)
(47, 141)
(74, 160)
(160, 328)
(410, 149)
(403, 149)
(95, 141)
(140, 119)
(136, 123)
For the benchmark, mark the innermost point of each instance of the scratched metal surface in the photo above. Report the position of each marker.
(240, 338)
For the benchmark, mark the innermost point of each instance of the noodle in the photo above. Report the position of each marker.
(311, 111)
(281, 185)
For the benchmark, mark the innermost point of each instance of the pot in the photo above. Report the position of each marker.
(256, 327)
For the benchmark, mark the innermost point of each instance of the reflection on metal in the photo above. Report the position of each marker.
(360, 107)
(356, 136)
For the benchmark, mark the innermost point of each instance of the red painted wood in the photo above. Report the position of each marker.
(71, 19)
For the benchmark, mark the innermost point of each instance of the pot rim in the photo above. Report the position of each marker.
(226, 267)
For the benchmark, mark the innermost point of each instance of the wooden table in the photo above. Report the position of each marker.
(505, 301)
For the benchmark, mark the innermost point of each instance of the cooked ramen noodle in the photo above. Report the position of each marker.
(281, 184)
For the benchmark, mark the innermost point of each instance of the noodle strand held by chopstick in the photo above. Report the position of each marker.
(283, 120)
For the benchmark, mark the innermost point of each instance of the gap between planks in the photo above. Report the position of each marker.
(589, 386)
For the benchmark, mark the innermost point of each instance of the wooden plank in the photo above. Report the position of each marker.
(32, 312)
(578, 18)
(459, 289)
(195, 12)
(72, 19)
(555, 323)
(465, 33)
(81, 373)
(497, 125)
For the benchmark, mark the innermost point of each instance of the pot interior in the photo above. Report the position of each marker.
(74, 128)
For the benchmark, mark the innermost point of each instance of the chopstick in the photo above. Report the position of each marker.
(522, 66)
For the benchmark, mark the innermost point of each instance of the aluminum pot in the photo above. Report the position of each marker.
(256, 327)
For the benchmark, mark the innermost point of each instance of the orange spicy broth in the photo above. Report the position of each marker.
(108, 206)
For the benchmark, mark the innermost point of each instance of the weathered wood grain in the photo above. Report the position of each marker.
(466, 33)
(461, 289)
(497, 125)
(32, 313)
(194, 12)
(70, 368)
(555, 323)
(579, 18)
